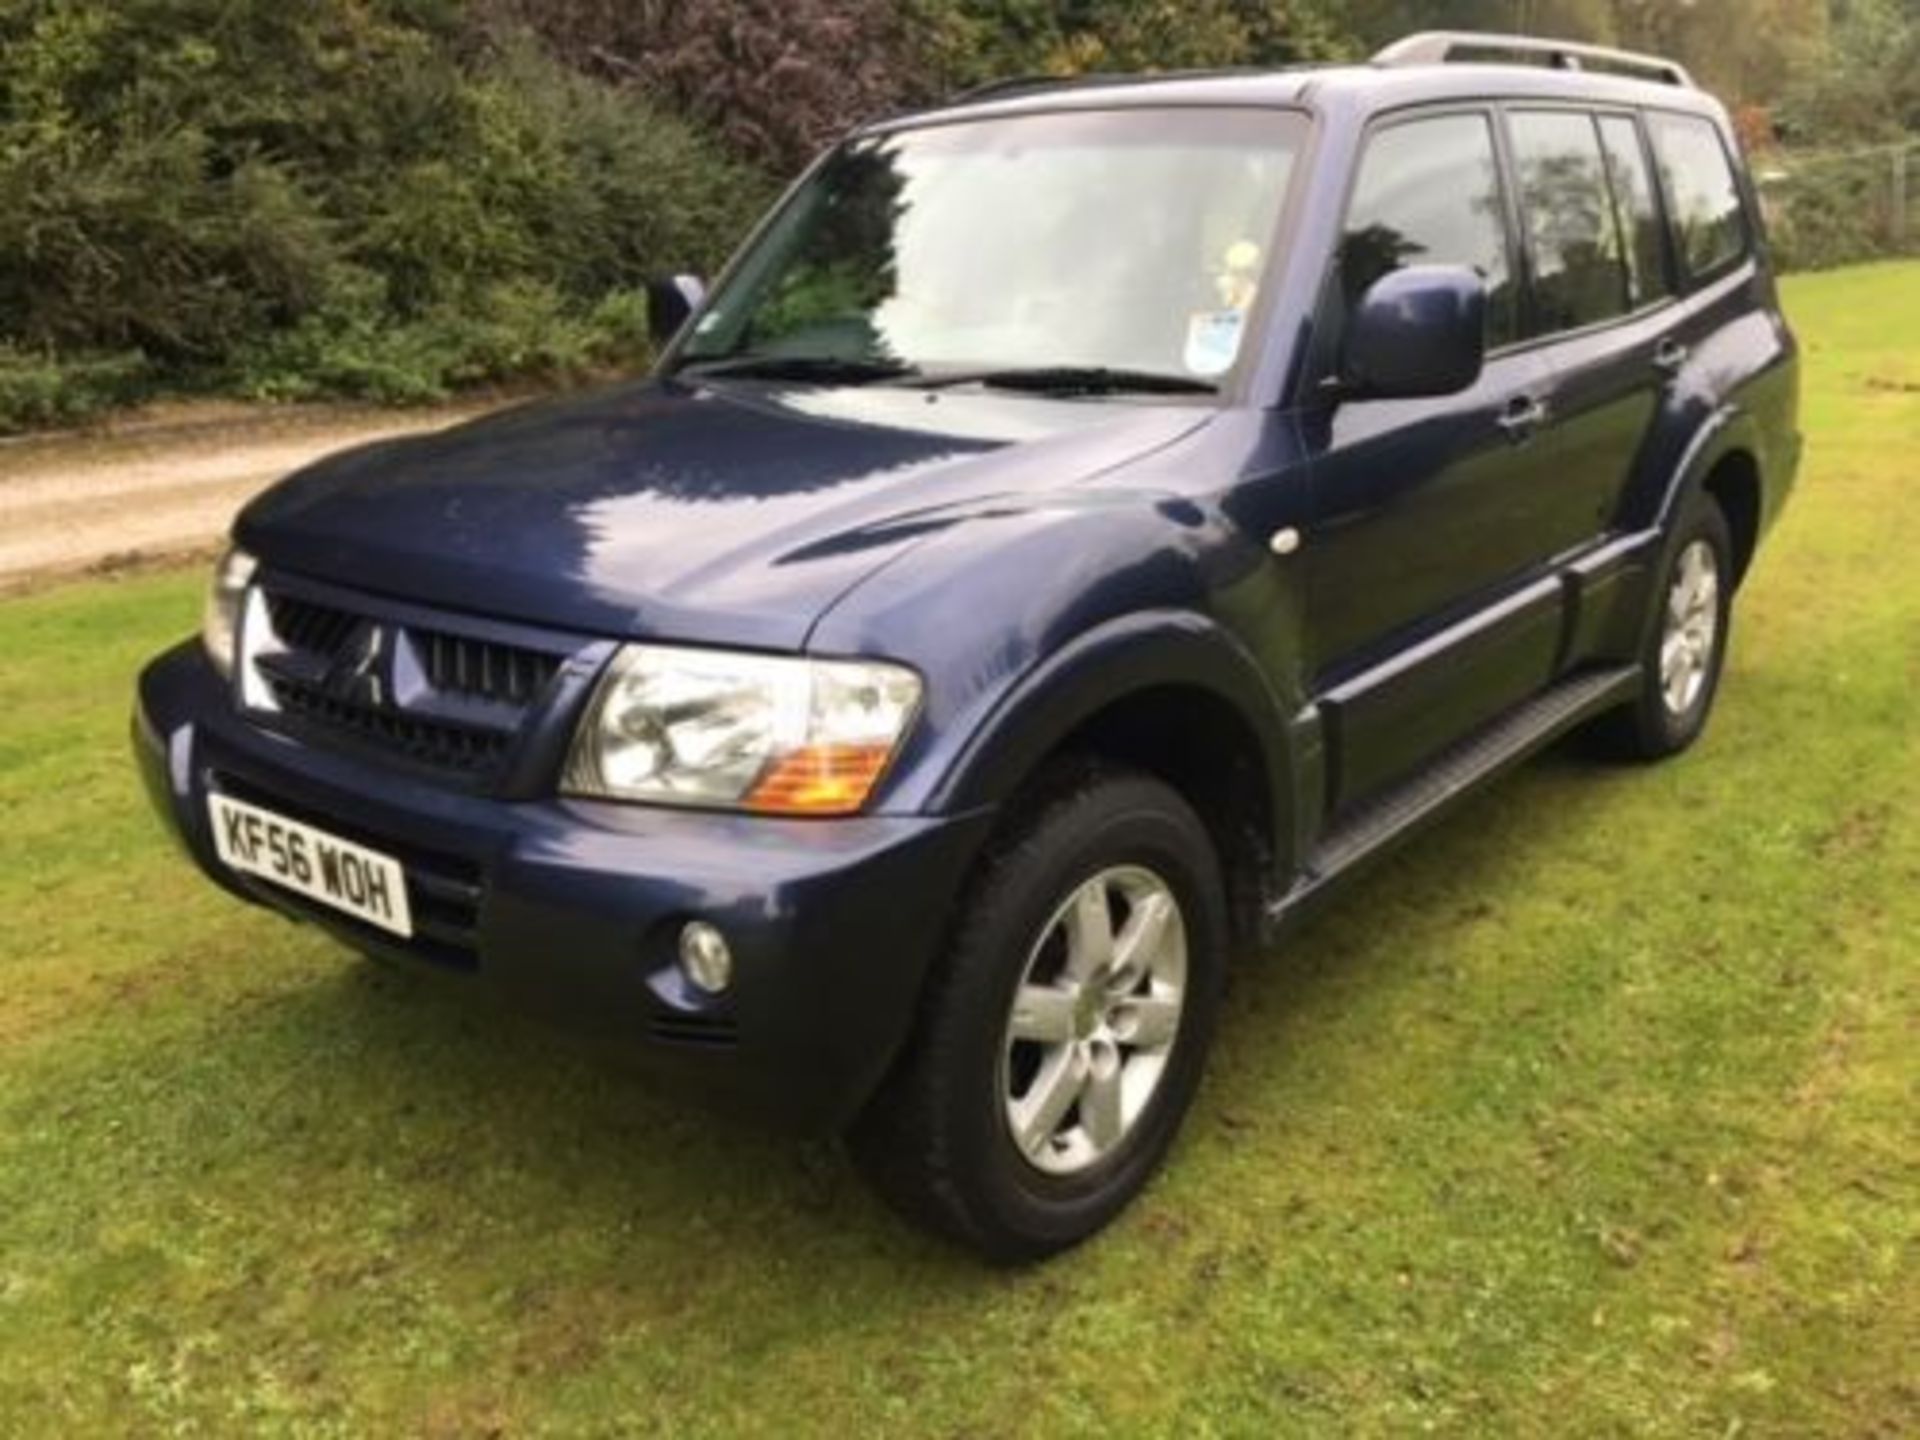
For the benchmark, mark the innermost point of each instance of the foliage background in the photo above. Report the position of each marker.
(395, 199)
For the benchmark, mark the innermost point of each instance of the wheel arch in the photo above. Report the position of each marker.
(1729, 458)
(1734, 483)
(1169, 693)
(1724, 459)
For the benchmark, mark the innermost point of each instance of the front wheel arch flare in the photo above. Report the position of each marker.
(1104, 668)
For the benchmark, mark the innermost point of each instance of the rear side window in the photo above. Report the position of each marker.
(1428, 193)
(1579, 265)
(1634, 204)
(1710, 230)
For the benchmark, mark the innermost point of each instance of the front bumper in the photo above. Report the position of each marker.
(572, 909)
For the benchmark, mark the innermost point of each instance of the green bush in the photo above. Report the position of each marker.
(38, 391)
(331, 197)
(510, 330)
(1824, 211)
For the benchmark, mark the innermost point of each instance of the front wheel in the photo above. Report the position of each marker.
(1065, 1032)
(1686, 646)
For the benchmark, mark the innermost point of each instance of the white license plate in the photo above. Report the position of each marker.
(350, 878)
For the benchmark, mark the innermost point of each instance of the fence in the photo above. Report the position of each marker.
(1836, 208)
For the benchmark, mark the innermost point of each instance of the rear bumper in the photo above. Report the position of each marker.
(571, 910)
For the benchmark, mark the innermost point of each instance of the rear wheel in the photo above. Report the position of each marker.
(1686, 647)
(1065, 1032)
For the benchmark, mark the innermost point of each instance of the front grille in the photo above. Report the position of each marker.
(444, 892)
(424, 695)
(453, 664)
(460, 666)
(424, 742)
(307, 625)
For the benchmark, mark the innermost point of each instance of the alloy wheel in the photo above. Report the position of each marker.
(1692, 627)
(1094, 1020)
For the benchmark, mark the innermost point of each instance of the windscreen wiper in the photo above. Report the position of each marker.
(824, 369)
(1074, 380)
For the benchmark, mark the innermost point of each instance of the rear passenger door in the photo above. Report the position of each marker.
(1722, 322)
(1598, 306)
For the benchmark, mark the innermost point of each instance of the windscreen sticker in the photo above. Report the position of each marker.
(1213, 341)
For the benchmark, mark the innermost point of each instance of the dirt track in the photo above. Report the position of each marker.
(163, 487)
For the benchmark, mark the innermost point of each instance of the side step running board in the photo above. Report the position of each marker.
(1459, 770)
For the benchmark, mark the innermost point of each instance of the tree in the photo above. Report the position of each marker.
(1742, 49)
(776, 79)
(1864, 85)
(965, 42)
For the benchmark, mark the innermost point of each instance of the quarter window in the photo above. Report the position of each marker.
(1579, 264)
(1703, 201)
(1428, 193)
(1633, 203)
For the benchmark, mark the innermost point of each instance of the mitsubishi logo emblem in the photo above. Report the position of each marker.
(357, 674)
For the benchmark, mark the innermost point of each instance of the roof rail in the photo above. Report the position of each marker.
(1093, 79)
(1025, 84)
(1437, 47)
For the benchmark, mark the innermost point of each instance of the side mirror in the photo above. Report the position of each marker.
(1417, 331)
(670, 301)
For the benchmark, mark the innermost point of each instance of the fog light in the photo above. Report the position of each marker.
(704, 957)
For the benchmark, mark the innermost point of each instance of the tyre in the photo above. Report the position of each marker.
(1064, 1033)
(1686, 644)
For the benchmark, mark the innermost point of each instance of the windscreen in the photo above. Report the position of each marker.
(1133, 239)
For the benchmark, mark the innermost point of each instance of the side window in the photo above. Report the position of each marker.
(1710, 228)
(1634, 204)
(1428, 193)
(1579, 262)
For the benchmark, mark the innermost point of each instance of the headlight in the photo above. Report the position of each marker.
(751, 732)
(220, 621)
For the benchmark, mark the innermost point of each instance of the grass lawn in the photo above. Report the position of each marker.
(1592, 1113)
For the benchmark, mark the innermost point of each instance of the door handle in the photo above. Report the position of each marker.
(1524, 415)
(1669, 356)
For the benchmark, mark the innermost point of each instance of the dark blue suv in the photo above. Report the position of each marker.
(1083, 523)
